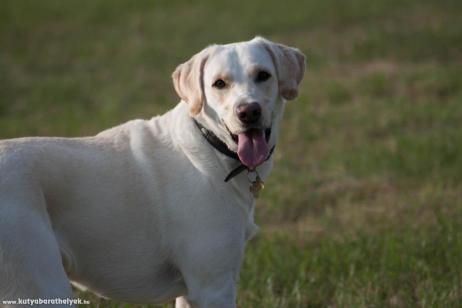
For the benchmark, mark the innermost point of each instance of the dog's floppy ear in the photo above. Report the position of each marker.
(188, 81)
(290, 67)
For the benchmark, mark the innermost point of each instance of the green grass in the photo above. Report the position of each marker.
(364, 207)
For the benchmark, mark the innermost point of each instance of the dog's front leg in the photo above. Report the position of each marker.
(216, 293)
(210, 269)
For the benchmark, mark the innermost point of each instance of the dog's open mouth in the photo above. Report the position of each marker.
(252, 146)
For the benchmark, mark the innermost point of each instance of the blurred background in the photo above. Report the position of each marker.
(364, 207)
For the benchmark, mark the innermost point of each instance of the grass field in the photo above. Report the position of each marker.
(364, 207)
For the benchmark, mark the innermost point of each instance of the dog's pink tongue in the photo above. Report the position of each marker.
(252, 148)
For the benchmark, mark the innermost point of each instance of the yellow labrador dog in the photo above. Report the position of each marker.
(150, 210)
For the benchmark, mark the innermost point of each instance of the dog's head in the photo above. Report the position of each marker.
(239, 91)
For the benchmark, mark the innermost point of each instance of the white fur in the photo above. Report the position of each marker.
(140, 212)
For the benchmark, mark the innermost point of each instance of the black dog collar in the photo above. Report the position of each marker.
(221, 147)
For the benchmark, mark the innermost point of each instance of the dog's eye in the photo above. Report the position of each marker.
(219, 84)
(262, 76)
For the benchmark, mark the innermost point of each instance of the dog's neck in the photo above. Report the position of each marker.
(221, 147)
(206, 158)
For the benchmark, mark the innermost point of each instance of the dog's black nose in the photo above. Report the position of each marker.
(249, 113)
